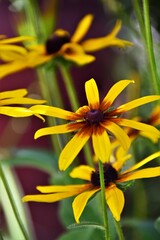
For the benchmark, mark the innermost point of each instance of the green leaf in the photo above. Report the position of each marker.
(86, 225)
(42, 159)
(157, 224)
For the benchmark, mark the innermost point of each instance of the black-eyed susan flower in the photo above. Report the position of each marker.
(96, 120)
(113, 177)
(17, 97)
(71, 48)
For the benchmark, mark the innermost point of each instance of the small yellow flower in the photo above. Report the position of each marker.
(96, 120)
(71, 48)
(113, 177)
(17, 97)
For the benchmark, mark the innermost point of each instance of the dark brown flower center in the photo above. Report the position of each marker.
(55, 42)
(94, 116)
(110, 175)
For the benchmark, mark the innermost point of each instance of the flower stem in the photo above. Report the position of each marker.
(150, 50)
(104, 207)
(13, 204)
(119, 230)
(74, 104)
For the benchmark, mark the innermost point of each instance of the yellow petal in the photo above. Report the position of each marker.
(17, 39)
(73, 147)
(95, 44)
(13, 67)
(137, 125)
(144, 161)
(21, 101)
(82, 28)
(82, 172)
(137, 102)
(49, 198)
(12, 52)
(144, 173)
(54, 112)
(16, 111)
(80, 202)
(61, 188)
(92, 94)
(153, 138)
(119, 133)
(74, 52)
(115, 90)
(13, 93)
(63, 128)
(115, 201)
(101, 144)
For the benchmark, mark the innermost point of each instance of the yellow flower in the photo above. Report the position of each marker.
(71, 48)
(96, 120)
(113, 178)
(16, 97)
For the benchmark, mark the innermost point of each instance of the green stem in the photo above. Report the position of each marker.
(104, 207)
(119, 230)
(13, 204)
(150, 50)
(137, 8)
(75, 105)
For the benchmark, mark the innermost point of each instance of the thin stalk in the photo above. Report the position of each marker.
(13, 204)
(137, 8)
(51, 93)
(150, 50)
(103, 198)
(75, 105)
(119, 230)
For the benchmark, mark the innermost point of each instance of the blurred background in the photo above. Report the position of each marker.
(111, 65)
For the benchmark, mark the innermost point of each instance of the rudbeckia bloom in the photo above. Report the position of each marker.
(17, 97)
(113, 177)
(71, 48)
(96, 120)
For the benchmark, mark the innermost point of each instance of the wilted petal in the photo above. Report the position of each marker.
(73, 147)
(101, 144)
(82, 172)
(92, 94)
(115, 201)
(82, 28)
(80, 202)
(112, 94)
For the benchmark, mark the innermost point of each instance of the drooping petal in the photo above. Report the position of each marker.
(137, 125)
(101, 144)
(63, 188)
(115, 90)
(54, 112)
(82, 28)
(119, 133)
(92, 94)
(153, 138)
(63, 128)
(144, 173)
(115, 201)
(16, 111)
(136, 103)
(80, 202)
(13, 93)
(155, 116)
(95, 44)
(82, 172)
(75, 53)
(12, 67)
(12, 52)
(144, 161)
(73, 147)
